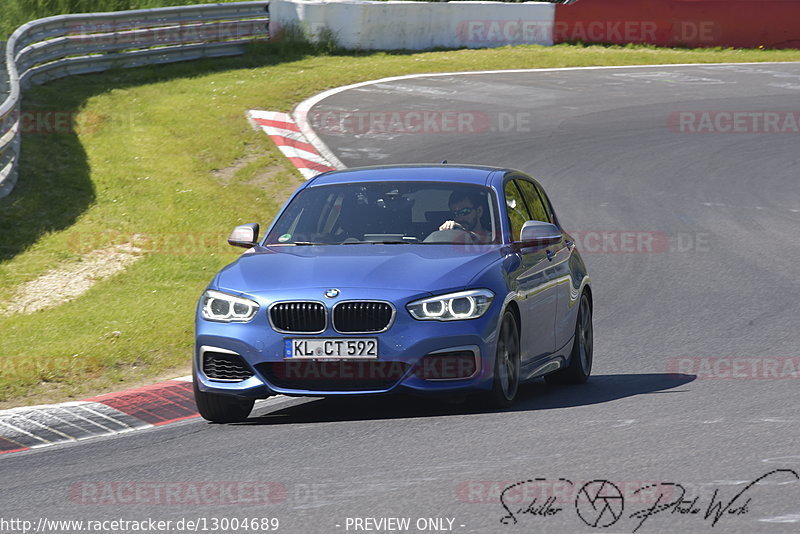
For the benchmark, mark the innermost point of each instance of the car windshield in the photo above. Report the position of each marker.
(389, 213)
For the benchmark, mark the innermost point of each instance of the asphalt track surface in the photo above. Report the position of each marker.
(602, 144)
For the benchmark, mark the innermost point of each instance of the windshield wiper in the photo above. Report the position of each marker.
(379, 243)
(296, 243)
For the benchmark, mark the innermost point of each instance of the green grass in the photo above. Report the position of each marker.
(167, 152)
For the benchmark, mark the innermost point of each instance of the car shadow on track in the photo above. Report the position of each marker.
(531, 397)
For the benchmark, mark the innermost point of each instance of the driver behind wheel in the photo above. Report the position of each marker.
(467, 210)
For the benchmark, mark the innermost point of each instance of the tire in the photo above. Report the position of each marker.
(581, 357)
(221, 408)
(506, 364)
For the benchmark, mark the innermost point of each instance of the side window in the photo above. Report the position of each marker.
(547, 205)
(534, 201)
(515, 207)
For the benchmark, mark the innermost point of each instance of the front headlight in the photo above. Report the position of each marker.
(453, 306)
(218, 306)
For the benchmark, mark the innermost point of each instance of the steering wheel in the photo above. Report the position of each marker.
(456, 235)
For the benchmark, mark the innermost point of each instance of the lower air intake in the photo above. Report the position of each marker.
(224, 366)
(350, 375)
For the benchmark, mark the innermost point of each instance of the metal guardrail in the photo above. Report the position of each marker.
(3, 73)
(55, 47)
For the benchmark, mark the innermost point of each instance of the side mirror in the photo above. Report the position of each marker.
(539, 234)
(245, 236)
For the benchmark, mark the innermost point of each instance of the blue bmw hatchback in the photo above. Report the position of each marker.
(435, 279)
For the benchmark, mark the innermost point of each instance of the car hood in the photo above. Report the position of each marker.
(407, 267)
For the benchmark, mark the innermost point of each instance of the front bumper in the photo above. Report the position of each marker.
(399, 367)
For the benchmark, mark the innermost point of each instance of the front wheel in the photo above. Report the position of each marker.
(506, 364)
(580, 359)
(221, 408)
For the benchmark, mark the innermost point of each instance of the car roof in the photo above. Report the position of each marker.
(474, 174)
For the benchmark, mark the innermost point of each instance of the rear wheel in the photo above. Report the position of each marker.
(221, 408)
(506, 364)
(580, 360)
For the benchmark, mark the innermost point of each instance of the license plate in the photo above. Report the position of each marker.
(315, 348)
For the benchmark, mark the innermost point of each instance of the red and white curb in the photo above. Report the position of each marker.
(293, 142)
(32, 427)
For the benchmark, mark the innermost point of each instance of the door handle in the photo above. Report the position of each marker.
(550, 254)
